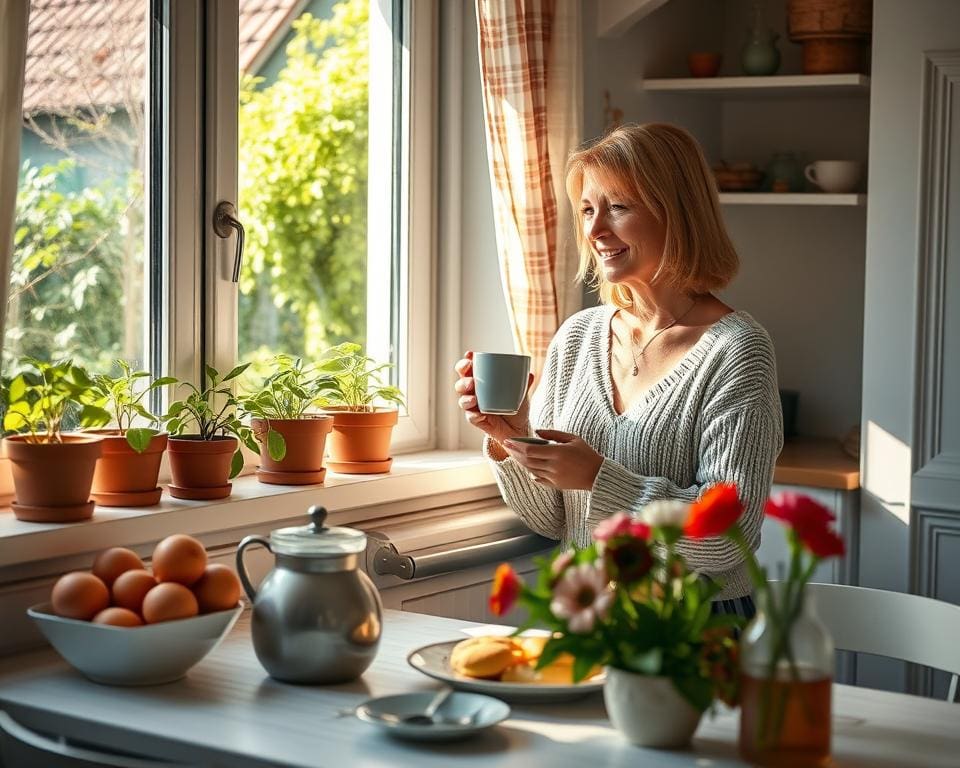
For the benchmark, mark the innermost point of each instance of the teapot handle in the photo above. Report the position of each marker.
(241, 570)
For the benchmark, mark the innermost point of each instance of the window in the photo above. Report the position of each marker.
(79, 278)
(334, 178)
(314, 117)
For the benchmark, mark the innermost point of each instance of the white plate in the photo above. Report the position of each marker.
(387, 713)
(434, 661)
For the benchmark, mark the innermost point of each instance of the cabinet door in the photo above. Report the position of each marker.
(911, 349)
(458, 595)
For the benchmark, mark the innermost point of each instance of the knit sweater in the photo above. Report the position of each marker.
(714, 418)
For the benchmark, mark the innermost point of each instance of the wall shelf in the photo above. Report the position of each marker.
(776, 85)
(791, 198)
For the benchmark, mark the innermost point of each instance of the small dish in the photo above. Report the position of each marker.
(147, 655)
(434, 661)
(388, 713)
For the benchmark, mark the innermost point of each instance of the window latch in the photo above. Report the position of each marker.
(225, 219)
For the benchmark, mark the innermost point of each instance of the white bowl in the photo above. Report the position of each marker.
(147, 655)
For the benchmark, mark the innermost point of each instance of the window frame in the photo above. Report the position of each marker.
(202, 300)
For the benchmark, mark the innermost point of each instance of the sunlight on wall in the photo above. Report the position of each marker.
(887, 470)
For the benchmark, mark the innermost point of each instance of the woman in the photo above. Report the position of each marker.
(663, 390)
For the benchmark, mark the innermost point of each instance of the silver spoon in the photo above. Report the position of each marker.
(428, 716)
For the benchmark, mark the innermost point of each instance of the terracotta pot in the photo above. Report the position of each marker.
(200, 468)
(52, 480)
(125, 478)
(305, 439)
(360, 440)
(6, 477)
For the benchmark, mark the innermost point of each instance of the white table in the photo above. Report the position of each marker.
(227, 712)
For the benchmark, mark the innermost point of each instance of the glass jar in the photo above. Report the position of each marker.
(786, 684)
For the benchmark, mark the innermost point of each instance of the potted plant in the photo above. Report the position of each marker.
(52, 470)
(291, 440)
(629, 602)
(362, 428)
(202, 462)
(6, 474)
(126, 474)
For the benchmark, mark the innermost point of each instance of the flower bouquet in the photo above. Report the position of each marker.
(629, 602)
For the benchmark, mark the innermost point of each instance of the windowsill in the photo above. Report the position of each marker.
(252, 504)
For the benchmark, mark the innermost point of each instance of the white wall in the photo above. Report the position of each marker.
(802, 268)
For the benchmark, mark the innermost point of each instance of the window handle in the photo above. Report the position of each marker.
(225, 219)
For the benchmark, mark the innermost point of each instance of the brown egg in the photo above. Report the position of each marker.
(179, 558)
(218, 589)
(112, 562)
(118, 617)
(131, 587)
(79, 595)
(169, 601)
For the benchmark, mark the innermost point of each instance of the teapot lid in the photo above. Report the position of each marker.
(316, 539)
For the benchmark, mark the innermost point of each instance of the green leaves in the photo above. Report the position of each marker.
(211, 411)
(121, 397)
(276, 445)
(303, 186)
(40, 396)
(356, 379)
(139, 438)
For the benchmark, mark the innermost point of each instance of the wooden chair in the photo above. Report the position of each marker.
(893, 624)
(21, 747)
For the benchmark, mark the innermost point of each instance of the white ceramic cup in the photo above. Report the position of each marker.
(835, 176)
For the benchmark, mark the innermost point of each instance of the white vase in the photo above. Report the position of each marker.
(648, 710)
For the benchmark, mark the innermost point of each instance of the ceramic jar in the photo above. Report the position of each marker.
(317, 617)
(784, 173)
(648, 710)
(785, 686)
(760, 55)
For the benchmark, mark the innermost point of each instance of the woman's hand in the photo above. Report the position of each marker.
(498, 427)
(569, 464)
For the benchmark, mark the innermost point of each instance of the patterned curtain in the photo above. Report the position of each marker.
(13, 50)
(530, 65)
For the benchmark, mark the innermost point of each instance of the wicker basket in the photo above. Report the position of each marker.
(833, 33)
(829, 18)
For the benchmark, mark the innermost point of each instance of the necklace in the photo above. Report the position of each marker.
(635, 371)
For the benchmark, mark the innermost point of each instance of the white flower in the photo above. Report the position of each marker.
(581, 596)
(665, 512)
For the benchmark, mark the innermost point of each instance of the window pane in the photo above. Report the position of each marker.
(303, 130)
(77, 283)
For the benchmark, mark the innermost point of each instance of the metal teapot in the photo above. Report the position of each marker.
(317, 617)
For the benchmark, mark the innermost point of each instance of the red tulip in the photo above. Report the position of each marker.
(822, 541)
(505, 590)
(798, 511)
(714, 512)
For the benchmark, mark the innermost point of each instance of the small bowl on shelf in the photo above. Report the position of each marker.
(148, 655)
(740, 177)
(703, 63)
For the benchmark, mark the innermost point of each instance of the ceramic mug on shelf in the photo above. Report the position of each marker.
(500, 381)
(836, 176)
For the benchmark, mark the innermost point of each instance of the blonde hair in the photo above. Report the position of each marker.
(662, 167)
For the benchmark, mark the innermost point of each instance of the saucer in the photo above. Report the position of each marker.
(387, 713)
